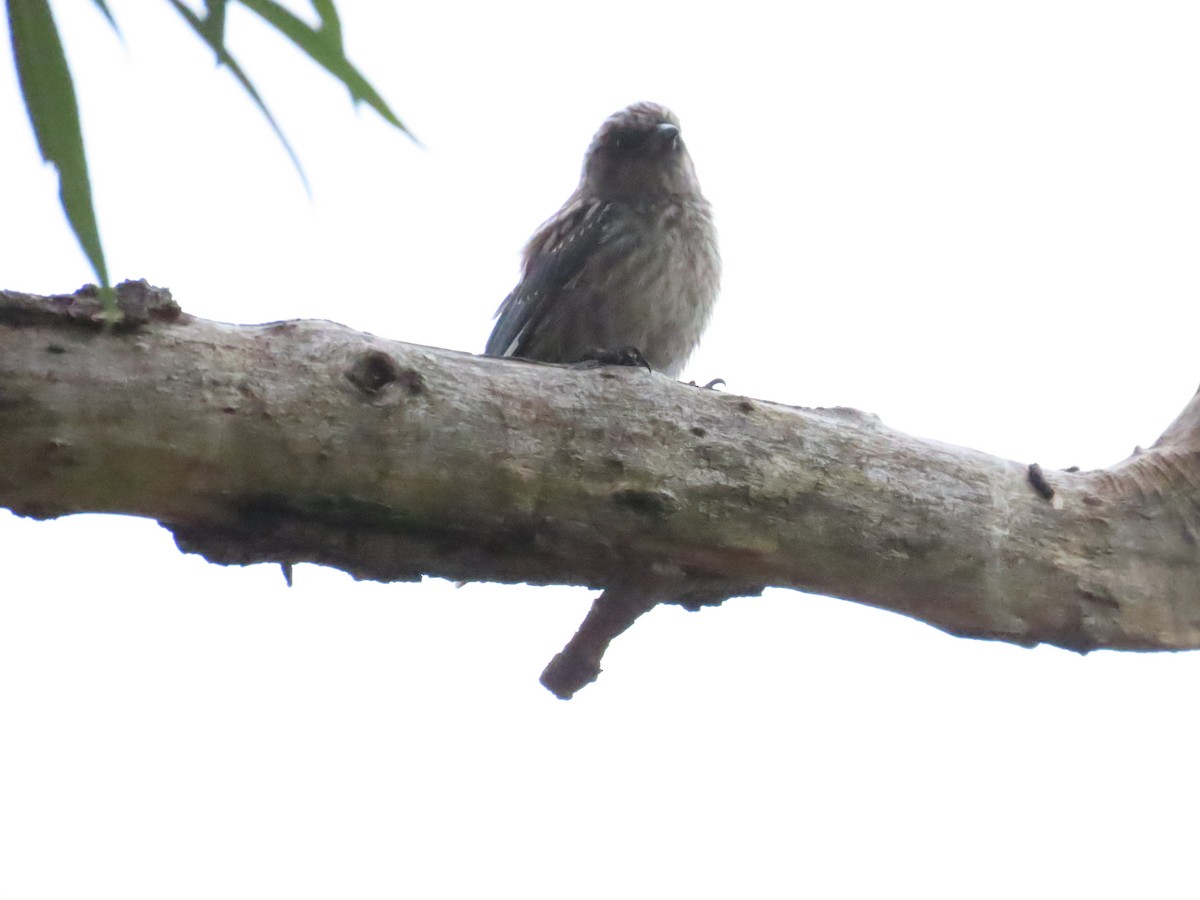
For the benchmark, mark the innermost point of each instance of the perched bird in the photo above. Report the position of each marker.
(629, 263)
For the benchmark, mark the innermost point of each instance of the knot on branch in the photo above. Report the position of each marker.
(374, 370)
(653, 503)
(1037, 478)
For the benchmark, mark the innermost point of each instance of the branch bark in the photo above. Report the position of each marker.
(305, 441)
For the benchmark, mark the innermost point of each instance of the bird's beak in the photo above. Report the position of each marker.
(666, 135)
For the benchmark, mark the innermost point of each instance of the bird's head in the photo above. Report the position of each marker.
(638, 152)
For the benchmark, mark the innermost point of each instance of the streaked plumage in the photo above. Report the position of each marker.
(630, 260)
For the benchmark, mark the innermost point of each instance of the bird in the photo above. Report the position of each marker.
(628, 270)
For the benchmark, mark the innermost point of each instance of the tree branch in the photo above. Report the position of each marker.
(308, 442)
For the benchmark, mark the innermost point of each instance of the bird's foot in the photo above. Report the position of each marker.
(620, 356)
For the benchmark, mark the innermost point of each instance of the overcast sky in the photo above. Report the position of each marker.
(978, 221)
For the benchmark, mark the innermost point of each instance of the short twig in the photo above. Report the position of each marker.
(618, 607)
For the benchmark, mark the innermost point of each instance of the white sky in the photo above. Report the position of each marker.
(979, 221)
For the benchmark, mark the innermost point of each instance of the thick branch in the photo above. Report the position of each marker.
(306, 441)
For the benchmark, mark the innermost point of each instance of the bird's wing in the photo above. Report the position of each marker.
(556, 255)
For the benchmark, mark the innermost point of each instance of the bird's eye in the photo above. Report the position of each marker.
(627, 141)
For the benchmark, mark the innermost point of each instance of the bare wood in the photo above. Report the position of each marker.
(306, 441)
(620, 604)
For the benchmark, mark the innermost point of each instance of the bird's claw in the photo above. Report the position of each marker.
(620, 356)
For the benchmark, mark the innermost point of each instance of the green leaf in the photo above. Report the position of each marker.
(331, 25)
(108, 15)
(211, 29)
(324, 46)
(50, 100)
